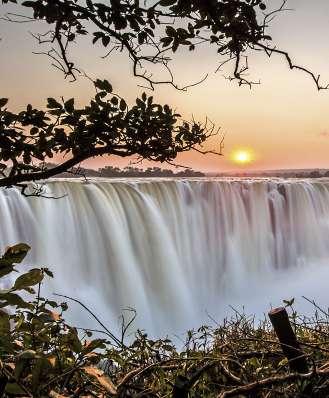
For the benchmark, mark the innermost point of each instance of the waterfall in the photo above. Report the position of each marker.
(175, 249)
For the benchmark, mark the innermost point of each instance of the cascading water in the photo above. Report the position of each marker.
(175, 249)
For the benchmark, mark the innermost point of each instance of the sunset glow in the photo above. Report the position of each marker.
(242, 156)
(284, 119)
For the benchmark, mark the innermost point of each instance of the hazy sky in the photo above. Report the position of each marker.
(284, 121)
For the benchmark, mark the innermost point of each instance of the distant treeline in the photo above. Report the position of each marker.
(116, 172)
(110, 171)
(282, 174)
(313, 174)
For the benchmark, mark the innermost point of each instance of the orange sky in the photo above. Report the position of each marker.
(284, 120)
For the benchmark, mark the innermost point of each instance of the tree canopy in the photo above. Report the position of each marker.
(104, 127)
(149, 33)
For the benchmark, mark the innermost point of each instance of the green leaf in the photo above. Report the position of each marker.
(40, 364)
(31, 278)
(6, 270)
(14, 389)
(3, 102)
(14, 255)
(4, 292)
(97, 343)
(73, 341)
(4, 324)
(28, 354)
(14, 299)
(283, 362)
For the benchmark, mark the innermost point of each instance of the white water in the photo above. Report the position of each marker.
(174, 249)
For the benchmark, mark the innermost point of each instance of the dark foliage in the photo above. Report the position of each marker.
(109, 171)
(42, 356)
(151, 31)
(107, 126)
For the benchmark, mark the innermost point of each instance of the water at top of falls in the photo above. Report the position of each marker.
(175, 249)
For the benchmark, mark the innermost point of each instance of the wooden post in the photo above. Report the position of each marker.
(289, 344)
(180, 389)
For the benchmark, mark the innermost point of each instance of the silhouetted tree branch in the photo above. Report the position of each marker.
(150, 33)
(107, 126)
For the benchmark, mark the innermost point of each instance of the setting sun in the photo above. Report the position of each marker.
(242, 156)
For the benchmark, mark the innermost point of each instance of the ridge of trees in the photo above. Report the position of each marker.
(128, 171)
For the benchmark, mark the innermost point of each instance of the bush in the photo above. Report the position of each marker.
(41, 355)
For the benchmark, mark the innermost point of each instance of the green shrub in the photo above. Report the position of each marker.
(43, 356)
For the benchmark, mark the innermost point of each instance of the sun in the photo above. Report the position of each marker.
(242, 156)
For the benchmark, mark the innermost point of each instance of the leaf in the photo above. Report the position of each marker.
(4, 292)
(28, 3)
(114, 101)
(14, 255)
(15, 299)
(73, 341)
(92, 345)
(289, 303)
(52, 303)
(69, 105)
(123, 105)
(34, 130)
(28, 354)
(106, 40)
(167, 3)
(102, 379)
(166, 41)
(31, 278)
(254, 362)
(175, 46)
(4, 324)
(90, 5)
(53, 104)
(103, 85)
(39, 365)
(14, 389)
(6, 270)
(48, 272)
(3, 102)
(170, 31)
(52, 360)
(283, 362)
